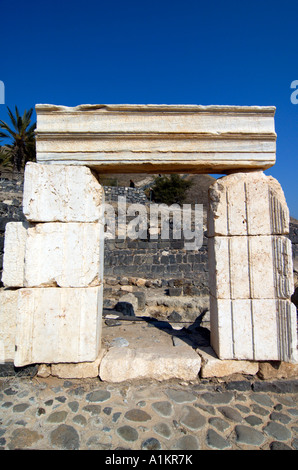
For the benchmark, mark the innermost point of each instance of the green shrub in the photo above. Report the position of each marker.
(170, 189)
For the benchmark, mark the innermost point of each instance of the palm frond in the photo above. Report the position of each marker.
(5, 126)
(22, 146)
(3, 135)
(28, 114)
(32, 129)
(12, 118)
(5, 157)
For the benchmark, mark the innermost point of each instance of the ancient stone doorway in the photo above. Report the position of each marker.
(59, 315)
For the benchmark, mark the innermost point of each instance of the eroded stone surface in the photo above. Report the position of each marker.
(53, 254)
(64, 255)
(240, 264)
(247, 204)
(154, 138)
(277, 370)
(256, 329)
(158, 363)
(8, 324)
(58, 193)
(212, 366)
(58, 325)
(14, 254)
(250, 270)
(79, 370)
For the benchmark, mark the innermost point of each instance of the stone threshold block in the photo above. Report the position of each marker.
(245, 267)
(214, 367)
(62, 193)
(247, 203)
(8, 309)
(56, 325)
(81, 370)
(253, 329)
(158, 363)
(53, 254)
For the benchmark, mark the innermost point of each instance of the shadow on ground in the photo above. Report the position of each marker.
(193, 334)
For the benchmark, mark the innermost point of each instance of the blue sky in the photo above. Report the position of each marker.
(158, 52)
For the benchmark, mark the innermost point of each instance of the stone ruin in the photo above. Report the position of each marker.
(51, 307)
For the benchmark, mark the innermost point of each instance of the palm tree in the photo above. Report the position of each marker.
(22, 146)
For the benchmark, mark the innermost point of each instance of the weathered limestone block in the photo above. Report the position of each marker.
(81, 370)
(214, 367)
(14, 254)
(158, 363)
(247, 204)
(58, 325)
(8, 309)
(253, 329)
(44, 371)
(250, 270)
(59, 193)
(64, 255)
(53, 254)
(240, 264)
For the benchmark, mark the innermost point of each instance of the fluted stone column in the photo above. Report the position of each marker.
(55, 259)
(250, 269)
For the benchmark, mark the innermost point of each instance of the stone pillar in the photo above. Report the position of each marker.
(250, 269)
(55, 260)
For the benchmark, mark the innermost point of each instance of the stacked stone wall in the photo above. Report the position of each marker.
(133, 195)
(161, 259)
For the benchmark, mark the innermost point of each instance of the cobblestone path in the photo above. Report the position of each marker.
(89, 414)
